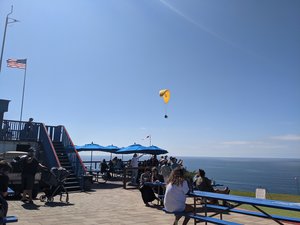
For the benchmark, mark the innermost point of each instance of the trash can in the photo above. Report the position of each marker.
(87, 182)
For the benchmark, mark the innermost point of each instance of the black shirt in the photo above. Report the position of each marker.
(29, 166)
(3, 183)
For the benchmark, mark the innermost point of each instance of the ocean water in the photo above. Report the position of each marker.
(245, 174)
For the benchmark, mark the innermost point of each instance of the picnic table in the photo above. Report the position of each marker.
(10, 192)
(160, 189)
(236, 201)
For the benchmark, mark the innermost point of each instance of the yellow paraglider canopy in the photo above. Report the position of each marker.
(165, 94)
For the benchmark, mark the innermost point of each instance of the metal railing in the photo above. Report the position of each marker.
(11, 130)
(17, 131)
(76, 162)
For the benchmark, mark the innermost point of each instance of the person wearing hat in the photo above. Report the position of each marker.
(30, 166)
(5, 167)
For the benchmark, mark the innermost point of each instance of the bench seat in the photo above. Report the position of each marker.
(211, 219)
(202, 218)
(9, 219)
(252, 213)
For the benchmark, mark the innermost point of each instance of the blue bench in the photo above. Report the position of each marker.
(8, 219)
(200, 218)
(222, 209)
(241, 200)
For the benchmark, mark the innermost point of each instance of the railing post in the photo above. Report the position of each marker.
(124, 177)
(57, 134)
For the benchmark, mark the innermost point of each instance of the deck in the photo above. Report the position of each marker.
(107, 204)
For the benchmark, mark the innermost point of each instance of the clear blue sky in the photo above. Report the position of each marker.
(233, 69)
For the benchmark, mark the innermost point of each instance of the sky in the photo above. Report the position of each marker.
(96, 67)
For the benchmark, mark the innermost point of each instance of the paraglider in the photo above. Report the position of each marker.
(165, 94)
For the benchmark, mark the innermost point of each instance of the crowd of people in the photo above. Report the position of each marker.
(169, 172)
(172, 175)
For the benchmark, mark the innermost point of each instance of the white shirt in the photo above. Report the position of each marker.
(174, 200)
(134, 162)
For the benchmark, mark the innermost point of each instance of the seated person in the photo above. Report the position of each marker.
(5, 167)
(146, 191)
(104, 169)
(202, 183)
(175, 196)
(156, 177)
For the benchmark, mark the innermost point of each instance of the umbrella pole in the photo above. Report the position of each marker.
(91, 161)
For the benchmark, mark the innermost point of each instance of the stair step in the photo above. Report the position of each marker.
(73, 188)
(71, 184)
(71, 180)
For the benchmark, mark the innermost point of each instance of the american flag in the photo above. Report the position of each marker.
(17, 63)
(149, 136)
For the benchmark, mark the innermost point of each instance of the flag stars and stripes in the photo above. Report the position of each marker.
(17, 63)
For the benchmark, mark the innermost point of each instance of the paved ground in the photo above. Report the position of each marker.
(107, 204)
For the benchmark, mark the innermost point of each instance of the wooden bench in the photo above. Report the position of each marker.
(8, 219)
(200, 218)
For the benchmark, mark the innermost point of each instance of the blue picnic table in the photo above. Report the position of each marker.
(241, 200)
(10, 192)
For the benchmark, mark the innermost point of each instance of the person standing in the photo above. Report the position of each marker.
(165, 170)
(5, 167)
(175, 195)
(30, 166)
(135, 170)
(28, 128)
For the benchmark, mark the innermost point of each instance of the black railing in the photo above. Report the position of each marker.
(20, 131)
(17, 131)
(11, 130)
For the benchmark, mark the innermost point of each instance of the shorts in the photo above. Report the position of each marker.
(27, 181)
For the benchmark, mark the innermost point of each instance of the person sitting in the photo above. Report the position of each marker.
(156, 177)
(202, 183)
(5, 167)
(175, 195)
(146, 191)
(104, 169)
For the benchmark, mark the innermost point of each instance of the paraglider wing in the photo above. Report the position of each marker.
(165, 94)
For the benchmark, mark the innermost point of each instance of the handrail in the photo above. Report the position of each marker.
(12, 130)
(48, 147)
(73, 155)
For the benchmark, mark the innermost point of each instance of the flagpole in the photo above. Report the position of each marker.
(23, 91)
(3, 41)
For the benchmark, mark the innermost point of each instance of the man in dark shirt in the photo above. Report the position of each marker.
(5, 167)
(202, 183)
(30, 166)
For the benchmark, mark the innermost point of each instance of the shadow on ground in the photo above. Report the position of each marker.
(107, 185)
(58, 204)
(29, 206)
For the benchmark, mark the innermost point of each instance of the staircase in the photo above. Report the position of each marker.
(72, 183)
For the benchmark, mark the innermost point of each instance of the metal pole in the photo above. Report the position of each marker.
(23, 91)
(3, 42)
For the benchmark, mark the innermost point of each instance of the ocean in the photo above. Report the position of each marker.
(244, 174)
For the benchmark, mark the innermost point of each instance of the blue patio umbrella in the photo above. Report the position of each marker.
(89, 148)
(137, 148)
(154, 150)
(111, 148)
